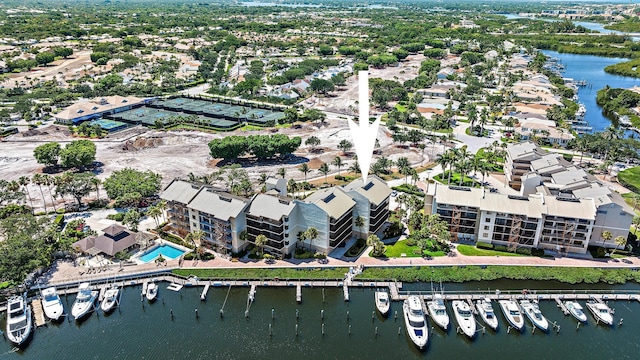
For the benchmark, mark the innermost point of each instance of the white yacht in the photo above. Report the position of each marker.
(438, 311)
(84, 301)
(485, 309)
(18, 320)
(464, 318)
(576, 310)
(512, 313)
(382, 302)
(532, 310)
(152, 291)
(600, 311)
(110, 299)
(415, 321)
(52, 304)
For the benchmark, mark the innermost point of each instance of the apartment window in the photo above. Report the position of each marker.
(487, 220)
(193, 217)
(486, 227)
(485, 235)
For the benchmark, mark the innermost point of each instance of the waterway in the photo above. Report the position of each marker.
(591, 69)
(139, 330)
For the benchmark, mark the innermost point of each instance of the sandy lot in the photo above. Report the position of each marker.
(178, 153)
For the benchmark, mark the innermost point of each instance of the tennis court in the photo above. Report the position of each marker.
(109, 125)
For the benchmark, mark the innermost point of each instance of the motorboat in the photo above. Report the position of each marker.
(110, 299)
(485, 309)
(415, 321)
(600, 311)
(512, 313)
(532, 310)
(152, 291)
(18, 320)
(382, 302)
(464, 317)
(51, 304)
(84, 301)
(576, 310)
(438, 311)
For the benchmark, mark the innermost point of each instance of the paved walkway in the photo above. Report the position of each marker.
(65, 271)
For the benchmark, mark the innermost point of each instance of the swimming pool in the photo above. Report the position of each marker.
(167, 251)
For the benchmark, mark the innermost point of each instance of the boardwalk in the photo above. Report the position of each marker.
(38, 312)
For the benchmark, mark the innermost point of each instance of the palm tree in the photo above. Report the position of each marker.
(260, 242)
(195, 237)
(162, 205)
(155, 213)
(281, 172)
(403, 167)
(48, 180)
(96, 182)
(337, 162)
(324, 170)
(23, 181)
(304, 168)
(38, 180)
(359, 223)
(619, 241)
(355, 168)
(582, 146)
(606, 236)
(311, 234)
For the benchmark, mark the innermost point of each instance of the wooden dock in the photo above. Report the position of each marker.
(560, 304)
(472, 306)
(203, 295)
(38, 312)
(345, 289)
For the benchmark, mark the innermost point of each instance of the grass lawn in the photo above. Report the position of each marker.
(401, 247)
(630, 199)
(470, 250)
(455, 179)
(265, 273)
(630, 178)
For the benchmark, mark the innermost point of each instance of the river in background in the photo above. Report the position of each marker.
(139, 330)
(591, 69)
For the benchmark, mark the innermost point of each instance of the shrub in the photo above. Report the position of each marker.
(190, 256)
(523, 251)
(59, 221)
(208, 256)
(484, 245)
(500, 248)
(568, 157)
(601, 252)
(117, 216)
(537, 252)
(411, 241)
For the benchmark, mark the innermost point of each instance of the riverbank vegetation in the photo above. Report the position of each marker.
(627, 68)
(458, 274)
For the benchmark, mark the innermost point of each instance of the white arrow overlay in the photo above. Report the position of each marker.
(364, 134)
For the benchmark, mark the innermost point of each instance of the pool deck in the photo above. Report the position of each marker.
(159, 243)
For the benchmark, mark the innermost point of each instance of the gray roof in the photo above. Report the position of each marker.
(333, 201)
(220, 205)
(271, 207)
(522, 150)
(376, 190)
(108, 245)
(180, 191)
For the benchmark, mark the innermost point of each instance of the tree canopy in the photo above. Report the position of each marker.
(260, 146)
(78, 153)
(129, 181)
(47, 154)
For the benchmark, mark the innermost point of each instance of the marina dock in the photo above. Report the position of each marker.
(298, 293)
(38, 312)
(203, 295)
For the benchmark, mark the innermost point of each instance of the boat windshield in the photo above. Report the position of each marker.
(465, 313)
(603, 311)
(51, 297)
(440, 312)
(489, 315)
(419, 323)
(513, 313)
(18, 326)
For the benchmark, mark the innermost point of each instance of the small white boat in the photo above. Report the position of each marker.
(576, 310)
(51, 304)
(532, 310)
(152, 291)
(110, 299)
(464, 317)
(382, 302)
(84, 301)
(438, 311)
(600, 311)
(415, 321)
(485, 309)
(512, 313)
(18, 320)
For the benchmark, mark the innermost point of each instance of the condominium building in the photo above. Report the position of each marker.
(332, 212)
(560, 206)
